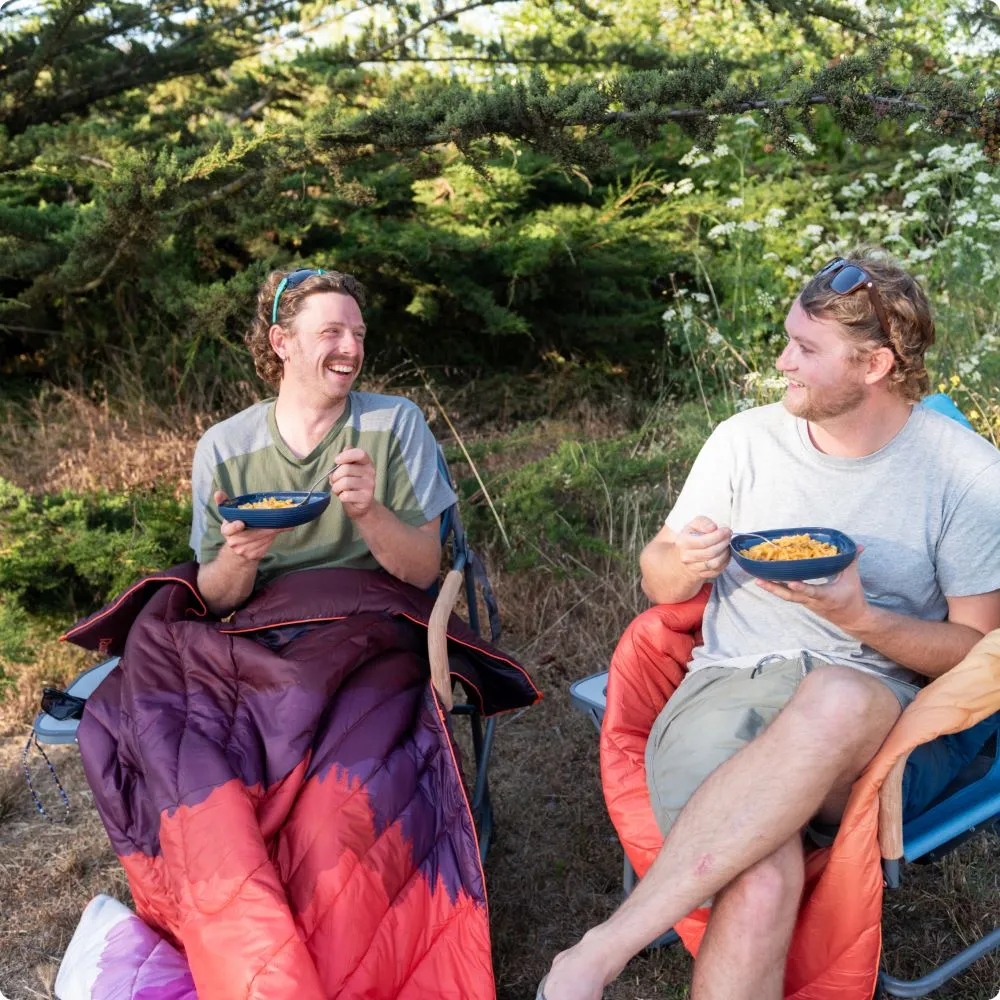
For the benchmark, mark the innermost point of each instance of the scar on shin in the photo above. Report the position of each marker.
(704, 864)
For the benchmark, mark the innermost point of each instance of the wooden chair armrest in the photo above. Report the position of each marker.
(890, 812)
(437, 636)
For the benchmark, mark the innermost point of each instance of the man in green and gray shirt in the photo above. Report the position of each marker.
(307, 340)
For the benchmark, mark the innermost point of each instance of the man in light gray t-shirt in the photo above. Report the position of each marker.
(925, 506)
(796, 686)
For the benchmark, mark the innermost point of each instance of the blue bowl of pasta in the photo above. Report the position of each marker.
(810, 555)
(274, 510)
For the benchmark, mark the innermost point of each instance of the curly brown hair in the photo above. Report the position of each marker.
(265, 360)
(911, 325)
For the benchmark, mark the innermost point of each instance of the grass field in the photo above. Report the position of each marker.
(555, 866)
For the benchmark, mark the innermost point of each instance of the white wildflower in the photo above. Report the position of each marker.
(685, 186)
(700, 297)
(751, 225)
(941, 153)
(803, 142)
(982, 178)
(721, 230)
(669, 315)
(746, 121)
(774, 216)
(690, 156)
(734, 203)
(853, 190)
(713, 337)
(721, 149)
(792, 272)
(969, 218)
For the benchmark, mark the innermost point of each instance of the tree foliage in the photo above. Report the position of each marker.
(497, 182)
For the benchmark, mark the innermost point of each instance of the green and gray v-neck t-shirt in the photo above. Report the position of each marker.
(246, 454)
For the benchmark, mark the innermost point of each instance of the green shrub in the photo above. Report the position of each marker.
(66, 554)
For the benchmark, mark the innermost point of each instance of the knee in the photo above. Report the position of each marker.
(838, 698)
(772, 888)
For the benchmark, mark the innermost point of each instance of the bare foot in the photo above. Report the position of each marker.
(578, 974)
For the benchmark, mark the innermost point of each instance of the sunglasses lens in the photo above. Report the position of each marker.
(297, 277)
(832, 266)
(847, 280)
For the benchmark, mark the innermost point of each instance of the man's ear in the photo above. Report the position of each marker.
(279, 341)
(880, 363)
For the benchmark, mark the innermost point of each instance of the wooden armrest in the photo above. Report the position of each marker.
(437, 636)
(890, 812)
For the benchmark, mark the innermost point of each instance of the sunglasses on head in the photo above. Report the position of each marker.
(847, 278)
(62, 706)
(293, 280)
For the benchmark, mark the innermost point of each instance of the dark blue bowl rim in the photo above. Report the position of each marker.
(845, 544)
(233, 504)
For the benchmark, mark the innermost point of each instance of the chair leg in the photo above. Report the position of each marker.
(482, 805)
(890, 986)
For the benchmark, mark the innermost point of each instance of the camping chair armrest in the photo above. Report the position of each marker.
(890, 812)
(437, 636)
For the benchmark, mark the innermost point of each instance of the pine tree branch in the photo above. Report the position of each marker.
(109, 267)
(605, 118)
(676, 114)
(219, 193)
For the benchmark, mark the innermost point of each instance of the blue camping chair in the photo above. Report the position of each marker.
(951, 791)
(466, 571)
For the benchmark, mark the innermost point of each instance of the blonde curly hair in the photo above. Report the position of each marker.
(267, 363)
(911, 325)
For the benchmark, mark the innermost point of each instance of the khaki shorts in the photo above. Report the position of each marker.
(715, 712)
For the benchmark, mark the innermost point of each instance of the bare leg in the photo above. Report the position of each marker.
(742, 956)
(745, 811)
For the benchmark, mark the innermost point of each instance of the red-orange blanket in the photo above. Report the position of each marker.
(283, 792)
(836, 947)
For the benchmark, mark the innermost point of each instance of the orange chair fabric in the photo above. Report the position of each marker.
(837, 943)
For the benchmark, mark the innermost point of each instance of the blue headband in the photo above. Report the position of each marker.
(293, 280)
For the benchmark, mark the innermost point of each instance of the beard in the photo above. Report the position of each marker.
(816, 405)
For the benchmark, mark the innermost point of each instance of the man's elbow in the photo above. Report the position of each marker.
(647, 570)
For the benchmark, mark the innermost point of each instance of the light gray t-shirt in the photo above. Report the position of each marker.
(926, 507)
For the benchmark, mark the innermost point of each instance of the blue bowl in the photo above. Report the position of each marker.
(819, 570)
(277, 517)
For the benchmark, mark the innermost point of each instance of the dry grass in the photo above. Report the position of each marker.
(555, 865)
(67, 441)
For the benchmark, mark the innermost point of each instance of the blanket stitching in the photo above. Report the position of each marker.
(165, 579)
(292, 938)
(414, 873)
(378, 839)
(355, 792)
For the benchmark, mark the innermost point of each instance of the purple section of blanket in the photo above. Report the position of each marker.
(137, 964)
(192, 707)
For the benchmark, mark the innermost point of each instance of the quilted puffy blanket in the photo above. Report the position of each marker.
(284, 794)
